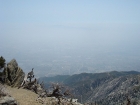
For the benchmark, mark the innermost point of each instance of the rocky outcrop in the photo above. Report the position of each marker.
(14, 75)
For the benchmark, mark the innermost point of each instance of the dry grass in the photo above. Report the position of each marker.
(23, 97)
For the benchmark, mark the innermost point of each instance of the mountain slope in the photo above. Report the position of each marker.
(108, 88)
(117, 90)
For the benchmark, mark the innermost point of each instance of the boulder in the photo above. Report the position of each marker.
(14, 75)
(7, 100)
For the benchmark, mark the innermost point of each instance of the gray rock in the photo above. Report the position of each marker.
(7, 100)
(14, 75)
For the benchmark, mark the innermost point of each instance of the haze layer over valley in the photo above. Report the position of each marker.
(70, 37)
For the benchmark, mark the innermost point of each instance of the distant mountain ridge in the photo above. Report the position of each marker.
(67, 79)
(108, 88)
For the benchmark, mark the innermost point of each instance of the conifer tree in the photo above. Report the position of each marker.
(2, 62)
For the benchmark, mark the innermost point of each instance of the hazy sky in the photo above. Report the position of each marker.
(74, 24)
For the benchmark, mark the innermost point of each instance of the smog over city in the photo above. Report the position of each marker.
(71, 36)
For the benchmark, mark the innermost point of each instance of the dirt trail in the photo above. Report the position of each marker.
(23, 97)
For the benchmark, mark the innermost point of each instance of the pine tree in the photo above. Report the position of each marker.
(2, 62)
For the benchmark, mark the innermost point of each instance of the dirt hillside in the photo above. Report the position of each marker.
(27, 97)
(23, 97)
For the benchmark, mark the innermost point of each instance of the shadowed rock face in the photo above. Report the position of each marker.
(14, 75)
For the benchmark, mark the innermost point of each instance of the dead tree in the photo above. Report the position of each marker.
(29, 85)
(42, 95)
(23, 82)
(67, 92)
(59, 92)
(42, 85)
(30, 75)
(56, 92)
